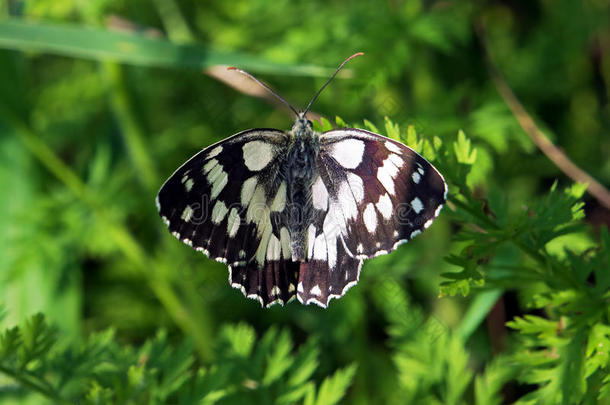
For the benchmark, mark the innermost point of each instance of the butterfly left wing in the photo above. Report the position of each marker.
(228, 202)
(372, 194)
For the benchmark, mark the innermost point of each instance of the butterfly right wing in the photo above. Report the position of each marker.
(371, 195)
(223, 202)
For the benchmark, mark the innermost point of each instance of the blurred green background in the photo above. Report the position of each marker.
(101, 100)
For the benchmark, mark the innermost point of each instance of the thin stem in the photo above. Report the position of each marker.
(555, 154)
(131, 129)
(25, 380)
(175, 25)
(147, 268)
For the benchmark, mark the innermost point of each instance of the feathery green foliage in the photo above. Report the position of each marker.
(503, 300)
(101, 371)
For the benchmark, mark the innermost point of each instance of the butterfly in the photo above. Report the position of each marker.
(295, 213)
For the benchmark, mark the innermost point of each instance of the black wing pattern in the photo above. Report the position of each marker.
(372, 194)
(227, 202)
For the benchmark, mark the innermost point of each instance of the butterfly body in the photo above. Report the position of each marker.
(299, 170)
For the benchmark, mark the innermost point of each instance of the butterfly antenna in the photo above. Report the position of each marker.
(329, 80)
(286, 103)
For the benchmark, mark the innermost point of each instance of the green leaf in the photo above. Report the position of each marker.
(463, 150)
(413, 141)
(531, 324)
(322, 125)
(333, 388)
(370, 126)
(279, 361)
(573, 381)
(340, 123)
(305, 364)
(131, 48)
(240, 339)
(391, 129)
(488, 386)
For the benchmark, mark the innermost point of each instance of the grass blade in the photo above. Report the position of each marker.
(131, 48)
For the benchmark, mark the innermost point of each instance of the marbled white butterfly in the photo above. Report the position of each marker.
(296, 213)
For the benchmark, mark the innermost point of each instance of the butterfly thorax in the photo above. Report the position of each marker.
(299, 171)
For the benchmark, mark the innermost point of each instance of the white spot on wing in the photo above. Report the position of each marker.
(319, 195)
(300, 287)
(428, 223)
(233, 224)
(218, 183)
(438, 210)
(187, 213)
(261, 251)
(392, 147)
(214, 152)
(188, 184)
(389, 167)
(386, 180)
(417, 205)
(247, 190)
(346, 201)
(355, 183)
(273, 248)
(369, 217)
(209, 166)
(257, 155)
(414, 234)
(331, 232)
(384, 205)
(279, 202)
(275, 290)
(311, 237)
(285, 242)
(319, 248)
(258, 211)
(315, 290)
(396, 160)
(219, 211)
(416, 177)
(348, 153)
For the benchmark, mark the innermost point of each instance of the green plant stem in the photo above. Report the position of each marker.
(532, 253)
(131, 130)
(45, 390)
(123, 239)
(480, 216)
(477, 311)
(175, 25)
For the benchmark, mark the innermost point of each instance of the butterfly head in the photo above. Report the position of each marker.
(302, 127)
